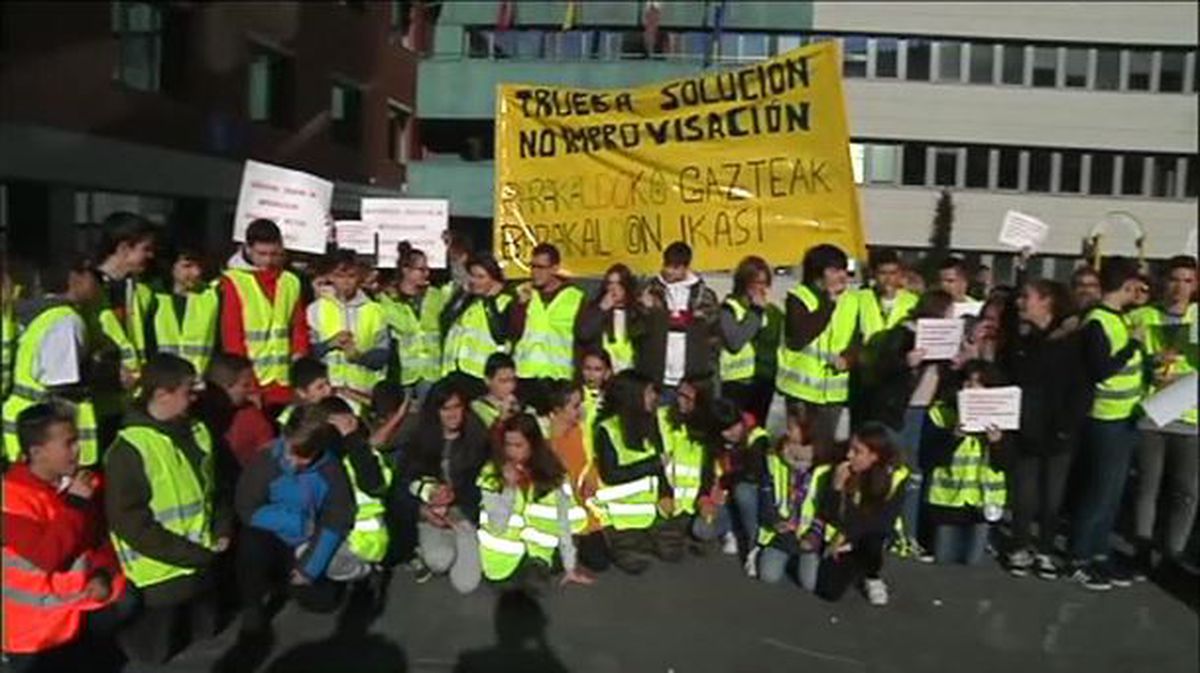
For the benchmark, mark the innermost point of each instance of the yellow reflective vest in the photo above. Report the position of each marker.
(546, 349)
(1118, 395)
(1165, 332)
(267, 324)
(192, 336)
(810, 374)
(469, 341)
(417, 334)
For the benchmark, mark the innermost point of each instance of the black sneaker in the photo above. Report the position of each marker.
(1092, 577)
(1019, 562)
(1118, 574)
(1045, 567)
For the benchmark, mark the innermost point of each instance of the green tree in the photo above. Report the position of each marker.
(939, 235)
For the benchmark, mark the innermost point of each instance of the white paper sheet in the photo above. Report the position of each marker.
(967, 309)
(422, 222)
(1169, 403)
(355, 235)
(940, 338)
(297, 202)
(981, 408)
(1023, 231)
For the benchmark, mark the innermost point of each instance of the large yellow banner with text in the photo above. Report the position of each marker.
(753, 161)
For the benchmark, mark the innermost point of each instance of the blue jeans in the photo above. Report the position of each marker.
(964, 544)
(1108, 447)
(722, 523)
(745, 498)
(772, 563)
(910, 445)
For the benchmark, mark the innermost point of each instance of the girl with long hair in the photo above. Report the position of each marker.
(609, 320)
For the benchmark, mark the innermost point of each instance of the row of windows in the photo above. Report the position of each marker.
(1037, 170)
(1042, 65)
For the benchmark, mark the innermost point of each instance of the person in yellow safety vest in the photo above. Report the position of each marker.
(1113, 362)
(611, 321)
(818, 332)
(542, 324)
(183, 322)
(476, 323)
(413, 310)
(566, 434)
(348, 332)
(309, 378)
(634, 487)
(528, 514)
(857, 502)
(500, 401)
(10, 294)
(750, 327)
(169, 516)
(738, 470)
(886, 303)
(788, 528)
(1170, 451)
(688, 452)
(1142, 311)
(52, 357)
(967, 491)
(595, 370)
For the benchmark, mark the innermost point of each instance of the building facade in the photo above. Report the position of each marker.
(1064, 111)
(153, 107)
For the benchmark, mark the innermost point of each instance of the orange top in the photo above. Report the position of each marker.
(568, 446)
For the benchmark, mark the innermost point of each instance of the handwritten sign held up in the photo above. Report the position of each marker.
(1023, 231)
(296, 201)
(421, 222)
(940, 338)
(1169, 403)
(356, 236)
(982, 408)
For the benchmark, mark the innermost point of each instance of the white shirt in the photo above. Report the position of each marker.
(57, 363)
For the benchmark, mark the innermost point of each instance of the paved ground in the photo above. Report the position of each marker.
(704, 616)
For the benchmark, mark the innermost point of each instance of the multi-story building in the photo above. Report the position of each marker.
(153, 106)
(1066, 111)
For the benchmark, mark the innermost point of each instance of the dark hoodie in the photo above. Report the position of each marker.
(127, 506)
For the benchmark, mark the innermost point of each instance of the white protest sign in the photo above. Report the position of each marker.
(967, 309)
(1169, 403)
(1190, 247)
(421, 222)
(356, 236)
(296, 201)
(1023, 231)
(982, 408)
(940, 338)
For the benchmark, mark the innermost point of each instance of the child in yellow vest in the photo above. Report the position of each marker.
(310, 384)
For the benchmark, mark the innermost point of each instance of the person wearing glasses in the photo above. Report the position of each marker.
(543, 325)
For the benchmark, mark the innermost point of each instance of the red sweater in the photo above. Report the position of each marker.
(233, 331)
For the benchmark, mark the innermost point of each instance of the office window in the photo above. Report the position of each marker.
(570, 45)
(978, 159)
(949, 61)
(918, 60)
(728, 46)
(914, 164)
(1133, 170)
(1170, 75)
(138, 29)
(1045, 66)
(479, 43)
(1077, 67)
(1108, 69)
(945, 166)
(530, 44)
(983, 59)
(1070, 172)
(886, 56)
(1140, 62)
(397, 133)
(755, 46)
(1013, 64)
(1162, 181)
(786, 43)
(345, 114)
(270, 92)
(1189, 186)
(854, 48)
(1008, 175)
(1101, 181)
(1039, 171)
(881, 164)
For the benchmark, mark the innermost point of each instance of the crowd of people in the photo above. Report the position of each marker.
(177, 446)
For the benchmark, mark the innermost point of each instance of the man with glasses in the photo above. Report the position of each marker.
(543, 326)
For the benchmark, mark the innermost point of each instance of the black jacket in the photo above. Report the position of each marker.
(1056, 394)
(422, 458)
(702, 337)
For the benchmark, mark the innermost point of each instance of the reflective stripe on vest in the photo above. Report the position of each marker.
(1118, 395)
(532, 527)
(195, 336)
(871, 319)
(810, 374)
(968, 481)
(620, 352)
(687, 461)
(738, 365)
(1166, 332)
(267, 324)
(369, 325)
(369, 537)
(547, 346)
(418, 337)
(469, 341)
(634, 504)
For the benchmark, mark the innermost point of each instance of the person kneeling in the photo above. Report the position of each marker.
(788, 526)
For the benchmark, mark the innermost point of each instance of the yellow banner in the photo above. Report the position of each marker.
(753, 161)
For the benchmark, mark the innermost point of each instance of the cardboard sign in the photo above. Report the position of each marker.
(983, 408)
(1022, 231)
(1169, 403)
(296, 201)
(421, 222)
(940, 338)
(356, 236)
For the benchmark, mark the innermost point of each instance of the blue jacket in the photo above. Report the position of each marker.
(314, 504)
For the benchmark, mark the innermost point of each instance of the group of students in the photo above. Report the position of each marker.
(166, 442)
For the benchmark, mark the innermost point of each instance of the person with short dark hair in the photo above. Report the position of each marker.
(476, 322)
(886, 303)
(680, 316)
(542, 325)
(168, 519)
(737, 468)
(309, 378)
(1085, 288)
(62, 581)
(612, 319)
(750, 326)
(262, 311)
(954, 279)
(183, 321)
(500, 401)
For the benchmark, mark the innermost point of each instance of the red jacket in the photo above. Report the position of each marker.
(54, 544)
(233, 332)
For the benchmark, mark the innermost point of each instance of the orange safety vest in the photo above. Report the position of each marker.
(44, 609)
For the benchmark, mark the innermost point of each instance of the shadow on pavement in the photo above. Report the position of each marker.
(521, 645)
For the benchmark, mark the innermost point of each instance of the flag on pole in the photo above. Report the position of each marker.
(570, 17)
(650, 18)
(505, 15)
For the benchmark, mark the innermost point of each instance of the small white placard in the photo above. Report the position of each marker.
(940, 338)
(296, 201)
(1169, 403)
(356, 236)
(1023, 231)
(967, 309)
(982, 408)
(422, 222)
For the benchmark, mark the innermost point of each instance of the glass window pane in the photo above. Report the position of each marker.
(914, 164)
(755, 46)
(945, 167)
(882, 164)
(1189, 187)
(1108, 69)
(918, 60)
(1070, 173)
(729, 46)
(788, 43)
(886, 50)
(977, 167)
(1008, 175)
(949, 61)
(1039, 171)
(529, 44)
(982, 59)
(1045, 66)
(1101, 174)
(1163, 180)
(1013, 64)
(1077, 65)
(855, 48)
(1170, 77)
(259, 94)
(1139, 70)
(1133, 169)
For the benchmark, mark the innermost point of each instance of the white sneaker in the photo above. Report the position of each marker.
(877, 592)
(729, 545)
(751, 564)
